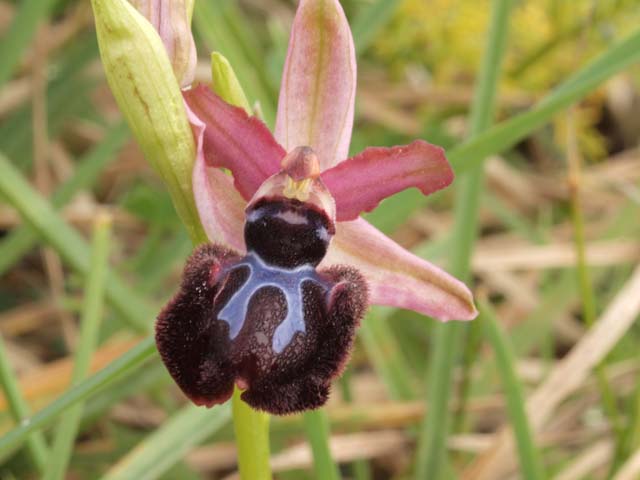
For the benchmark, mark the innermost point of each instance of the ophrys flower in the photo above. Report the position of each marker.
(272, 304)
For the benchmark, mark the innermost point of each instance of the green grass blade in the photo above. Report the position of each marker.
(119, 368)
(22, 30)
(68, 95)
(165, 447)
(361, 469)
(506, 134)
(317, 428)
(21, 239)
(91, 314)
(36, 445)
(39, 213)
(370, 21)
(431, 454)
(530, 459)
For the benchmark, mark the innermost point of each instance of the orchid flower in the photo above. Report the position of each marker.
(273, 302)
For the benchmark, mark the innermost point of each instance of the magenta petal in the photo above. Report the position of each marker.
(398, 278)
(235, 141)
(220, 206)
(359, 183)
(318, 88)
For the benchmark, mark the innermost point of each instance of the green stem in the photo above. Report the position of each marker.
(431, 454)
(385, 353)
(473, 343)
(252, 440)
(530, 460)
(317, 427)
(361, 468)
(631, 435)
(91, 314)
(20, 411)
(585, 284)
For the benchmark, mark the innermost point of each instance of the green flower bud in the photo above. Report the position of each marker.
(226, 84)
(144, 85)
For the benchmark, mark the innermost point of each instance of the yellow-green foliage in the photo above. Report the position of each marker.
(448, 37)
(548, 40)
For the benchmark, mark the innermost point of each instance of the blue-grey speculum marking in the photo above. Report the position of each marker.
(288, 281)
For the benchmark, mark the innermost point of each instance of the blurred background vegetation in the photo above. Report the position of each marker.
(557, 243)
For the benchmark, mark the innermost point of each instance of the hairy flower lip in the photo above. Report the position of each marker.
(206, 361)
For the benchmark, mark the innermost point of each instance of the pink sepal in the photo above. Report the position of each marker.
(220, 206)
(396, 277)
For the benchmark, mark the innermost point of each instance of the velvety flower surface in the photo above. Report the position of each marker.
(273, 303)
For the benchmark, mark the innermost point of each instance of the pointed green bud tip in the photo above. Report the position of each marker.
(226, 84)
(143, 83)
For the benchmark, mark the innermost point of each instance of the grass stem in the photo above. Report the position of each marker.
(431, 454)
(92, 312)
(317, 428)
(36, 445)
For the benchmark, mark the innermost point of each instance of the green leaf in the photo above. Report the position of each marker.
(91, 315)
(223, 29)
(21, 32)
(166, 446)
(36, 445)
(317, 427)
(530, 460)
(23, 238)
(431, 455)
(370, 21)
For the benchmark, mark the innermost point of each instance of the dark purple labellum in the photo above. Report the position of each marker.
(269, 321)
